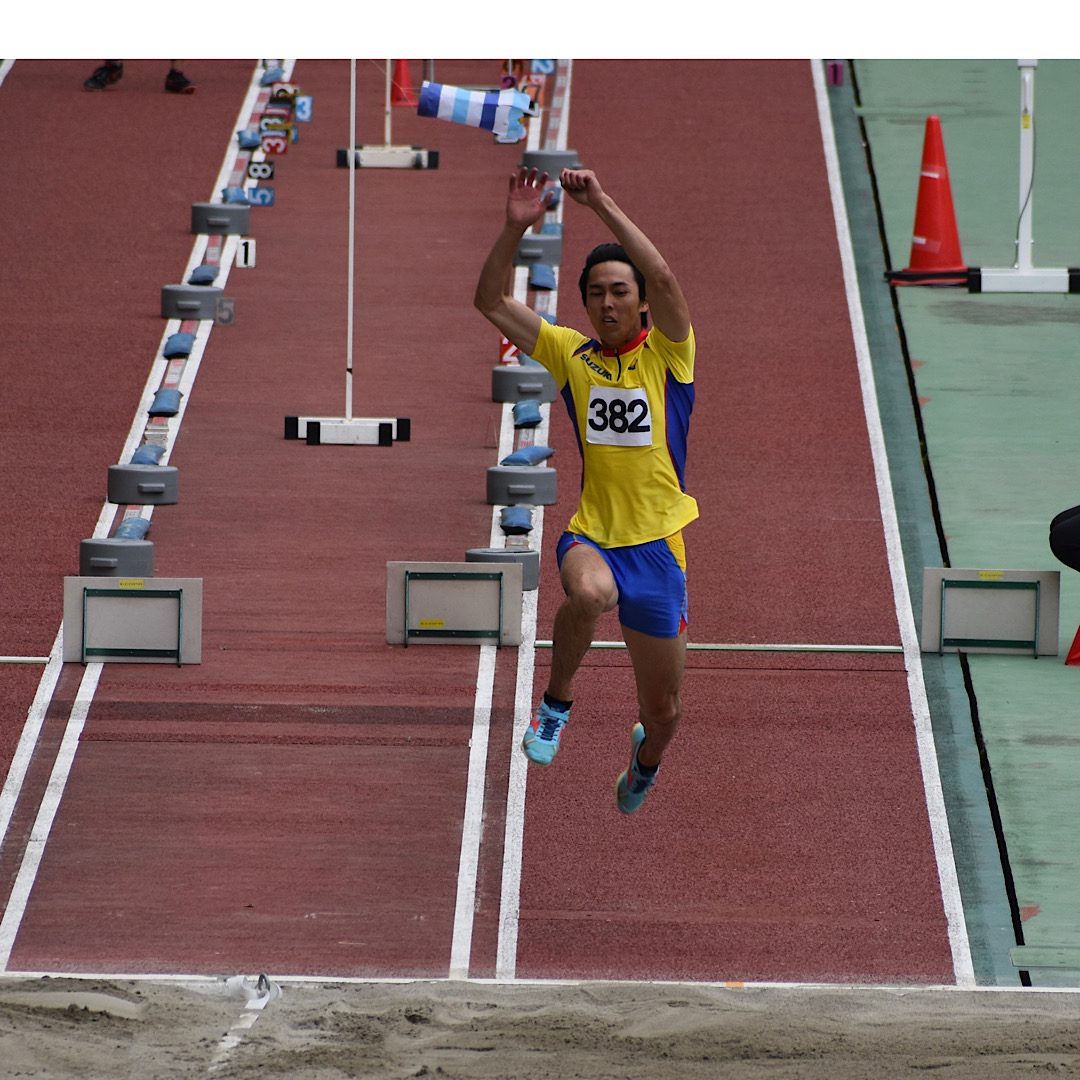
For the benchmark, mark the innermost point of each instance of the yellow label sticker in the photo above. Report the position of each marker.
(1025, 121)
(432, 624)
(131, 583)
(991, 575)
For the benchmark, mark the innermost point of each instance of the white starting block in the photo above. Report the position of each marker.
(133, 620)
(443, 603)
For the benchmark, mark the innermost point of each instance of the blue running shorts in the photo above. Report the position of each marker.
(651, 579)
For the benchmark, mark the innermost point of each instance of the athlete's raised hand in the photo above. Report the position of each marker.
(527, 201)
(582, 186)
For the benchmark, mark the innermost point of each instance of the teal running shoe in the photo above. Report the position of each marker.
(541, 742)
(632, 787)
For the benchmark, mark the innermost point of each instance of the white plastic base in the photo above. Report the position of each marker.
(391, 157)
(1035, 280)
(356, 432)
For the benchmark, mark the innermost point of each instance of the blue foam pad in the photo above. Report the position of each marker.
(516, 520)
(235, 196)
(249, 140)
(148, 454)
(166, 402)
(551, 228)
(527, 413)
(556, 198)
(272, 75)
(527, 361)
(178, 345)
(547, 317)
(541, 276)
(528, 455)
(203, 275)
(132, 528)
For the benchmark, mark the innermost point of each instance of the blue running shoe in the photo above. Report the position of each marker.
(632, 787)
(541, 742)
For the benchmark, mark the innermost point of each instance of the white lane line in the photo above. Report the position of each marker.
(514, 829)
(9, 796)
(39, 835)
(47, 684)
(473, 819)
(473, 824)
(920, 708)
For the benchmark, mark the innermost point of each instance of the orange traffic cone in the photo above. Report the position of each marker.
(935, 243)
(1074, 652)
(401, 91)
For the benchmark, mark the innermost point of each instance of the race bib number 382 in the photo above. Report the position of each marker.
(619, 417)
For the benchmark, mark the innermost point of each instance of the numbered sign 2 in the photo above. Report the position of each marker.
(260, 170)
(261, 196)
(304, 105)
(275, 142)
(245, 252)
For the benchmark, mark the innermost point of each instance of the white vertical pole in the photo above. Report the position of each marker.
(352, 235)
(1027, 162)
(386, 122)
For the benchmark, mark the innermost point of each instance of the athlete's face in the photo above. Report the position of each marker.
(614, 304)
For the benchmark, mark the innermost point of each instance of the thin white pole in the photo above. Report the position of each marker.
(352, 235)
(386, 122)
(1027, 162)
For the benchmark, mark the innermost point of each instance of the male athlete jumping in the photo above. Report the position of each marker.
(629, 391)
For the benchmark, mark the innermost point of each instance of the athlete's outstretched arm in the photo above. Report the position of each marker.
(526, 202)
(667, 305)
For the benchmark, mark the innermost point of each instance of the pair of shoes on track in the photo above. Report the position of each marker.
(541, 744)
(109, 72)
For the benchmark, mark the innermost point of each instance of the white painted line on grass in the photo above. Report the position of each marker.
(935, 799)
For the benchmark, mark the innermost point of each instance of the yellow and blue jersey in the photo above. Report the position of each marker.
(631, 413)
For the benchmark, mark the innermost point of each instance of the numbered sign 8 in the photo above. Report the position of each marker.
(260, 170)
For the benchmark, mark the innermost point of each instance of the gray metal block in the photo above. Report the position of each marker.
(511, 485)
(551, 161)
(116, 558)
(530, 562)
(189, 301)
(217, 219)
(143, 485)
(538, 248)
(515, 382)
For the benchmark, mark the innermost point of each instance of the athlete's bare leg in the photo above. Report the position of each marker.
(658, 669)
(590, 591)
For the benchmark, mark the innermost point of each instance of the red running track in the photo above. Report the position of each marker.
(294, 803)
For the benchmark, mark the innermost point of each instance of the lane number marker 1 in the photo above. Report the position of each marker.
(245, 253)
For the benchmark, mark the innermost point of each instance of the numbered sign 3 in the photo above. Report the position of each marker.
(275, 142)
(260, 170)
(304, 105)
(245, 252)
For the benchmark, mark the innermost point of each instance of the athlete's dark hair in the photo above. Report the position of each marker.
(610, 253)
